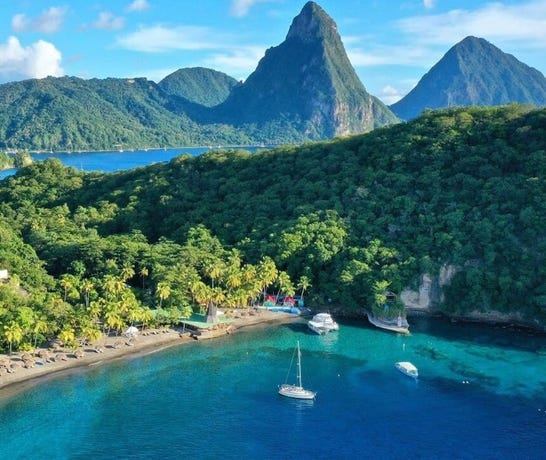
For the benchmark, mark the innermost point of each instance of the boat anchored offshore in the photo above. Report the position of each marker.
(322, 323)
(296, 390)
(407, 368)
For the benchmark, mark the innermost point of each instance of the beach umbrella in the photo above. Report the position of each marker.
(13, 367)
(79, 354)
(131, 331)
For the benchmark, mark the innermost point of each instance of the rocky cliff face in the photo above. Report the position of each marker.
(429, 294)
(428, 297)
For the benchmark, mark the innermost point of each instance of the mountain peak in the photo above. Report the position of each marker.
(312, 23)
(307, 82)
(474, 72)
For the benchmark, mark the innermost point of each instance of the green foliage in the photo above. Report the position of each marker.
(16, 159)
(199, 85)
(345, 220)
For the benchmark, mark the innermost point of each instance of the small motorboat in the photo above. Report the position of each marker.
(407, 368)
(322, 323)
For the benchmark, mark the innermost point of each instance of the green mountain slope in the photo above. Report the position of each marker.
(73, 114)
(199, 85)
(308, 81)
(304, 89)
(464, 188)
(474, 72)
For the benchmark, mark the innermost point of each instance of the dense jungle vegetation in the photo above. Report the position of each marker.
(344, 220)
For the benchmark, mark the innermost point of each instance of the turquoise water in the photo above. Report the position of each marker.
(481, 394)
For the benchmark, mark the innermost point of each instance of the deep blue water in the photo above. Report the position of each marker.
(116, 161)
(218, 399)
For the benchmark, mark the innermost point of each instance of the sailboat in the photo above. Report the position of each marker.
(296, 391)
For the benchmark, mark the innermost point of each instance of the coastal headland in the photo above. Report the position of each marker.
(46, 363)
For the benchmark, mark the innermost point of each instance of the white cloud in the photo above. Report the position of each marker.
(239, 63)
(138, 5)
(381, 55)
(108, 21)
(428, 4)
(240, 8)
(389, 95)
(39, 60)
(162, 39)
(524, 22)
(427, 38)
(20, 23)
(48, 22)
(218, 50)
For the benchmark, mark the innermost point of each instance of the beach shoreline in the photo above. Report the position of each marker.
(120, 347)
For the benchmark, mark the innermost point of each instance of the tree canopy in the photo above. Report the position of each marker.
(344, 220)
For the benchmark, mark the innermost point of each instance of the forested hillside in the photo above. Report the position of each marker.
(344, 220)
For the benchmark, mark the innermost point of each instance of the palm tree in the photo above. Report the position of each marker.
(144, 272)
(267, 274)
(41, 326)
(67, 336)
(66, 282)
(199, 291)
(86, 288)
(127, 272)
(14, 334)
(91, 333)
(163, 291)
(112, 286)
(304, 283)
(214, 269)
(285, 284)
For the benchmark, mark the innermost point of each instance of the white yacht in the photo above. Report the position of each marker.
(407, 368)
(296, 391)
(322, 323)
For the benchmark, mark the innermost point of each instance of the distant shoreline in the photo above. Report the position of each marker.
(146, 149)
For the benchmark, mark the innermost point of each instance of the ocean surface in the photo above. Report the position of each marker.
(480, 395)
(117, 161)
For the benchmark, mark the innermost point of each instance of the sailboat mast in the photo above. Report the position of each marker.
(299, 366)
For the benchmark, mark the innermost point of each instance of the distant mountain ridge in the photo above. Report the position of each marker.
(474, 72)
(304, 89)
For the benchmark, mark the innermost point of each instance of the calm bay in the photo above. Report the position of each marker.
(480, 394)
(118, 161)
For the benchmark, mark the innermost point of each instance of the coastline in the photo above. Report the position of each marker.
(118, 347)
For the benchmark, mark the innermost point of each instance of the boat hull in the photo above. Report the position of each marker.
(407, 369)
(296, 392)
(322, 323)
(321, 330)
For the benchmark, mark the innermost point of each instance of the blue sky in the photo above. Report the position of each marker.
(391, 44)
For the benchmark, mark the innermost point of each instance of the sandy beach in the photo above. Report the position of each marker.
(23, 370)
